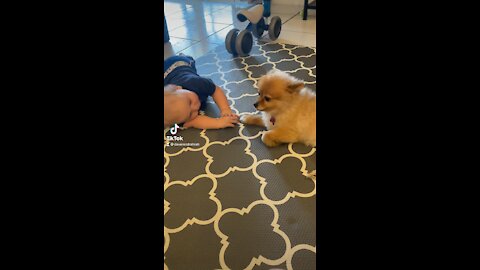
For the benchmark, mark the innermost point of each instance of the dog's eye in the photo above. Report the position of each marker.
(267, 99)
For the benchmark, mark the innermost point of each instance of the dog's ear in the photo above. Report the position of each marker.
(295, 86)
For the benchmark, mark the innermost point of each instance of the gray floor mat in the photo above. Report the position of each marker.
(229, 201)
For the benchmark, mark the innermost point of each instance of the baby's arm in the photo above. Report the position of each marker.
(221, 101)
(205, 122)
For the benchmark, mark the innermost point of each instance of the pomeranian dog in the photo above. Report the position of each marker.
(288, 110)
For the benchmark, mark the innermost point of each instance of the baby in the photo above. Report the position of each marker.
(185, 93)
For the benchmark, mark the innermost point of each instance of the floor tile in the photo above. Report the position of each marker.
(297, 38)
(297, 24)
(182, 14)
(181, 43)
(285, 9)
(175, 23)
(210, 7)
(312, 12)
(197, 32)
(171, 7)
(222, 16)
(200, 48)
(284, 17)
(219, 37)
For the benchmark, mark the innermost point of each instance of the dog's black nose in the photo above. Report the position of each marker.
(256, 104)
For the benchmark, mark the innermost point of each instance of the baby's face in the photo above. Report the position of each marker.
(185, 105)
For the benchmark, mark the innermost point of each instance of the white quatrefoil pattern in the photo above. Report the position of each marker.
(230, 202)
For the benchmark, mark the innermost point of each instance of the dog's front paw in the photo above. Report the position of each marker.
(244, 119)
(252, 120)
(269, 140)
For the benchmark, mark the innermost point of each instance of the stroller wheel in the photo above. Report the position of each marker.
(244, 43)
(275, 28)
(230, 41)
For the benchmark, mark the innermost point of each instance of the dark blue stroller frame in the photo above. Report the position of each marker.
(241, 42)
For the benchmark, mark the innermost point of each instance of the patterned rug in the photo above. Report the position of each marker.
(230, 202)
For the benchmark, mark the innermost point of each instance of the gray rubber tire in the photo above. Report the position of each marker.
(274, 28)
(244, 43)
(230, 40)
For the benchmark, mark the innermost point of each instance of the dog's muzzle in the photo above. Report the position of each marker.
(255, 104)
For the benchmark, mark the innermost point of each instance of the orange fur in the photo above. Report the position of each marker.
(291, 104)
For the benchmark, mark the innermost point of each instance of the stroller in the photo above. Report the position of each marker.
(241, 42)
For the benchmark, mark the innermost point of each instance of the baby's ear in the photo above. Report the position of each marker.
(295, 86)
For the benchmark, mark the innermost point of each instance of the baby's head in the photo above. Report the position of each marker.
(180, 105)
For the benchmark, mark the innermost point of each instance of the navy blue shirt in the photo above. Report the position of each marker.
(188, 78)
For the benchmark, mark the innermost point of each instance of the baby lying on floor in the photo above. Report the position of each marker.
(185, 93)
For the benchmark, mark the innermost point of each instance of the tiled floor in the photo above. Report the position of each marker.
(198, 26)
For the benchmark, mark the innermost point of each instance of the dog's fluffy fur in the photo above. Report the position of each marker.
(290, 104)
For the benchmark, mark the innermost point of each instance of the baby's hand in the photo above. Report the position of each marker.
(227, 121)
(229, 113)
(232, 115)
